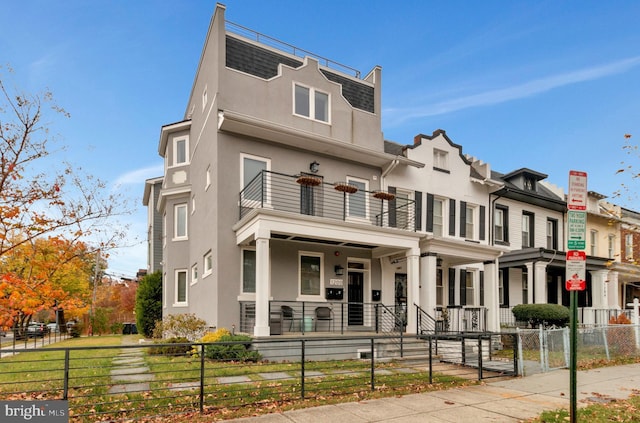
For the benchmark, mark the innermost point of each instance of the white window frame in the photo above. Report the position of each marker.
(498, 225)
(440, 287)
(176, 225)
(176, 143)
(310, 297)
(526, 234)
(207, 261)
(243, 292)
(443, 218)
(501, 299)
(194, 274)
(593, 242)
(612, 245)
(312, 103)
(361, 193)
(440, 159)
(250, 202)
(470, 289)
(177, 303)
(470, 222)
(628, 247)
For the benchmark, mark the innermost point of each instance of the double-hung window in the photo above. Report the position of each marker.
(180, 222)
(552, 234)
(438, 216)
(311, 103)
(439, 287)
(501, 224)
(527, 229)
(180, 151)
(470, 223)
(208, 263)
(440, 160)
(628, 246)
(469, 286)
(525, 287)
(593, 242)
(612, 246)
(181, 288)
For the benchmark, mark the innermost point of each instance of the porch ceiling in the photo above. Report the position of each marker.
(456, 252)
(626, 272)
(274, 224)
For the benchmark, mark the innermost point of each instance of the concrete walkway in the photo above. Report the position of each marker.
(512, 400)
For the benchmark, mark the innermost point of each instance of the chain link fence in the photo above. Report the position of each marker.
(542, 350)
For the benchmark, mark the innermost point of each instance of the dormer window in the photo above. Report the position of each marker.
(180, 150)
(311, 103)
(529, 184)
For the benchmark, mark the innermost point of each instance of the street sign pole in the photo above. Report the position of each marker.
(575, 271)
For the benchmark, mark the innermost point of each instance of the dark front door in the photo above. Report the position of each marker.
(401, 300)
(355, 296)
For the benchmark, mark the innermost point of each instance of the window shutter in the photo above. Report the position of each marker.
(505, 286)
(429, 227)
(482, 288)
(463, 287)
(463, 219)
(392, 209)
(452, 286)
(452, 217)
(482, 223)
(418, 210)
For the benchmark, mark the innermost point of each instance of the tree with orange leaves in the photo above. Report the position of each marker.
(44, 274)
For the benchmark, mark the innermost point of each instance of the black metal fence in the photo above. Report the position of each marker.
(220, 379)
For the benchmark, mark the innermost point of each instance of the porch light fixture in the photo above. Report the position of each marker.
(314, 166)
(339, 270)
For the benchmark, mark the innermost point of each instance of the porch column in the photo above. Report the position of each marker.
(413, 288)
(491, 295)
(428, 269)
(540, 290)
(263, 284)
(599, 294)
(530, 274)
(613, 287)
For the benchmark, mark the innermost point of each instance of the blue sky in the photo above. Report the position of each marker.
(548, 85)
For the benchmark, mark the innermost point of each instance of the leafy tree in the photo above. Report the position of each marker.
(149, 303)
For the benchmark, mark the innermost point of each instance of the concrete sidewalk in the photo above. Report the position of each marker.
(512, 400)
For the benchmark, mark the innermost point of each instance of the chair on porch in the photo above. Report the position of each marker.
(289, 315)
(324, 314)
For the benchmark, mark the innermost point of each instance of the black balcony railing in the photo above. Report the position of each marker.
(311, 195)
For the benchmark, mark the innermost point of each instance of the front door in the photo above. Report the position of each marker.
(355, 297)
(401, 300)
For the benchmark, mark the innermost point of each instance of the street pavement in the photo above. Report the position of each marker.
(506, 400)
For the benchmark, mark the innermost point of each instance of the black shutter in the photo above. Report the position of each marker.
(463, 219)
(452, 286)
(429, 227)
(482, 288)
(392, 209)
(452, 217)
(418, 206)
(505, 286)
(463, 287)
(482, 223)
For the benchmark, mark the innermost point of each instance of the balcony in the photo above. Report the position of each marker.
(310, 195)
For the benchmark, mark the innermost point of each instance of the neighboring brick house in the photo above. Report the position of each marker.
(629, 267)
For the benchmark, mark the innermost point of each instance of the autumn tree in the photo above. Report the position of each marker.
(44, 198)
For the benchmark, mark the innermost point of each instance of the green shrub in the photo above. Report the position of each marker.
(232, 351)
(171, 350)
(542, 314)
(149, 303)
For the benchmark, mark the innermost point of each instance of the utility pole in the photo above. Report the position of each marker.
(95, 286)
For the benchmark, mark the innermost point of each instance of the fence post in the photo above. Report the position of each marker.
(463, 350)
(430, 359)
(543, 359)
(201, 378)
(479, 357)
(605, 341)
(65, 393)
(302, 346)
(520, 357)
(401, 341)
(516, 348)
(376, 319)
(373, 386)
(565, 339)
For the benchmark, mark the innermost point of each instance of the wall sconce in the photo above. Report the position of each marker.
(314, 166)
(339, 270)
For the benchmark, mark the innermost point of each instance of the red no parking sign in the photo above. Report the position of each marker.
(576, 270)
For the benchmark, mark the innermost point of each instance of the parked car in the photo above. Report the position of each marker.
(53, 328)
(37, 330)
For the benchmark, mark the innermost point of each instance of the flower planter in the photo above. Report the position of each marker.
(345, 187)
(383, 195)
(309, 180)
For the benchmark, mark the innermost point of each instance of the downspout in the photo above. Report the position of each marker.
(387, 171)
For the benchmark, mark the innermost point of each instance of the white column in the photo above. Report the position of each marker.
(613, 288)
(428, 269)
(529, 284)
(263, 285)
(540, 283)
(599, 293)
(491, 296)
(413, 288)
